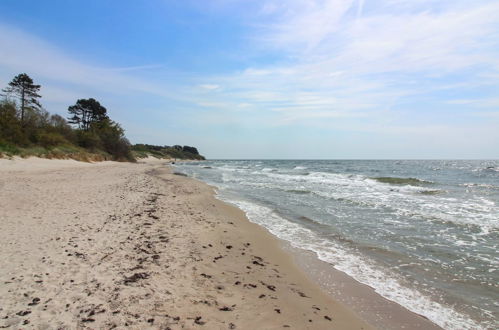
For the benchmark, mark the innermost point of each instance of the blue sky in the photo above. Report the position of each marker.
(271, 79)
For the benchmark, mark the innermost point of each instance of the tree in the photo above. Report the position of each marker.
(113, 139)
(191, 150)
(85, 112)
(27, 92)
(10, 126)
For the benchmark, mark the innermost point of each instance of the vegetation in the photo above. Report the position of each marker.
(87, 112)
(88, 134)
(175, 152)
(22, 87)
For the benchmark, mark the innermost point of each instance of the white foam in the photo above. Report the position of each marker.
(385, 282)
(482, 185)
(341, 194)
(405, 200)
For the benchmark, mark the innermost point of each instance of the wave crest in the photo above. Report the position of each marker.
(402, 181)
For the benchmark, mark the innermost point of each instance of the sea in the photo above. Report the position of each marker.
(422, 233)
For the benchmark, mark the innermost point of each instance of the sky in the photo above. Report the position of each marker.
(245, 79)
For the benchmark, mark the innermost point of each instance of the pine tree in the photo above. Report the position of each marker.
(27, 92)
(85, 112)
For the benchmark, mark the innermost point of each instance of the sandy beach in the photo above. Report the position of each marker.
(115, 245)
(306, 164)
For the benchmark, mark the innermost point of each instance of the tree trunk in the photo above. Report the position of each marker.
(85, 119)
(22, 104)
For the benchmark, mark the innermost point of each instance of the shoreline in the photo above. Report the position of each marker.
(407, 246)
(369, 305)
(110, 245)
(360, 298)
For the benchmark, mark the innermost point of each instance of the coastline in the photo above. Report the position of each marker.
(405, 245)
(376, 310)
(119, 244)
(370, 306)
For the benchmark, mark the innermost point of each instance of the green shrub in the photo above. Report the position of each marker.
(36, 151)
(49, 140)
(8, 149)
(10, 127)
(88, 139)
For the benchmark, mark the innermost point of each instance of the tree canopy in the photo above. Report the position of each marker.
(28, 129)
(26, 91)
(85, 112)
(176, 151)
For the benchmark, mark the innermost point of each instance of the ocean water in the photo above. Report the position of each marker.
(422, 233)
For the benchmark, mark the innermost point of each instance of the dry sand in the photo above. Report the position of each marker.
(116, 245)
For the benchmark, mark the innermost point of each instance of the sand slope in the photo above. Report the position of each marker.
(115, 245)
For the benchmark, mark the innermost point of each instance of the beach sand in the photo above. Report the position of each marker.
(116, 245)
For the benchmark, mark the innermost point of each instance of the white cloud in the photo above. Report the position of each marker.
(384, 41)
(209, 86)
(492, 102)
(304, 24)
(349, 57)
(345, 64)
(23, 52)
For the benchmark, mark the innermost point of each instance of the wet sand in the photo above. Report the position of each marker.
(376, 310)
(117, 245)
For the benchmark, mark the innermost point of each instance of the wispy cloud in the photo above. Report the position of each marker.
(492, 102)
(425, 69)
(24, 52)
(209, 86)
(356, 58)
(136, 68)
(301, 24)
